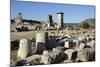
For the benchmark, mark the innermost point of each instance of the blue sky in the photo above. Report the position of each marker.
(40, 11)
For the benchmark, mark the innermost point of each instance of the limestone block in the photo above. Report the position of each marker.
(91, 44)
(66, 44)
(81, 46)
(76, 42)
(41, 37)
(41, 41)
(89, 39)
(69, 53)
(67, 35)
(81, 38)
(34, 59)
(58, 50)
(25, 48)
(45, 52)
(87, 54)
(45, 58)
(67, 61)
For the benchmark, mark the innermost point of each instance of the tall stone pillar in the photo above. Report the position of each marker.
(18, 19)
(60, 20)
(50, 20)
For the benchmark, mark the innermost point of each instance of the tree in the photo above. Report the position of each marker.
(88, 23)
(85, 25)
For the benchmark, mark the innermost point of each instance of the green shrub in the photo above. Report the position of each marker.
(85, 25)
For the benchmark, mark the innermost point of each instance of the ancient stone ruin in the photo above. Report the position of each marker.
(39, 43)
(25, 48)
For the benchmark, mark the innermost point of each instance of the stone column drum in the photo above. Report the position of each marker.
(41, 41)
(25, 48)
(60, 20)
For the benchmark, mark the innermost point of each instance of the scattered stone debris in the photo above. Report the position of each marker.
(64, 50)
(87, 54)
(52, 43)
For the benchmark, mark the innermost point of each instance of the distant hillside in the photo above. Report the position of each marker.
(90, 21)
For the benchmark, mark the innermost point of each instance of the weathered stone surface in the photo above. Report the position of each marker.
(76, 42)
(82, 39)
(25, 48)
(62, 42)
(91, 44)
(88, 39)
(41, 37)
(34, 59)
(41, 41)
(40, 48)
(71, 43)
(46, 58)
(67, 61)
(66, 44)
(50, 21)
(56, 54)
(87, 54)
(60, 20)
(81, 46)
(58, 50)
(69, 53)
(45, 52)
(67, 35)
